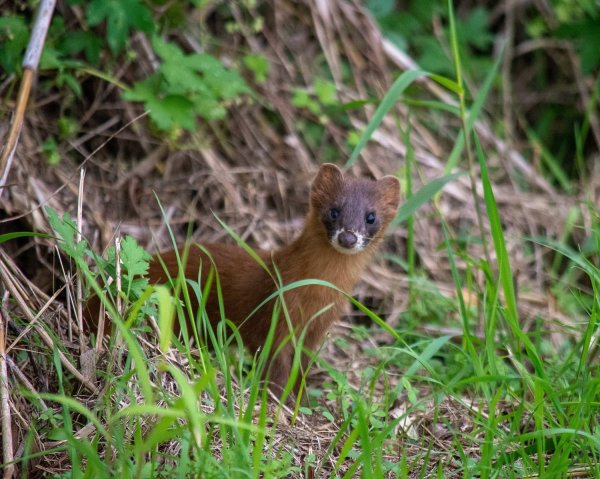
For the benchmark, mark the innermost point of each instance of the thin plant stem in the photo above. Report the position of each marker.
(467, 132)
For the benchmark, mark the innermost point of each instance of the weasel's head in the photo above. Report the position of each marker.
(353, 211)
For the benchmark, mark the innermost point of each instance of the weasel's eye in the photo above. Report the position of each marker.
(334, 213)
(370, 218)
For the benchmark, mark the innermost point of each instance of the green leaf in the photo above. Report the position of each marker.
(326, 92)
(578, 259)
(201, 73)
(22, 234)
(135, 262)
(87, 42)
(258, 65)
(166, 50)
(135, 258)
(586, 36)
(433, 57)
(474, 29)
(300, 97)
(13, 38)
(476, 108)
(225, 84)
(172, 111)
(167, 112)
(166, 315)
(144, 90)
(209, 108)
(504, 268)
(448, 84)
(66, 230)
(186, 86)
(50, 150)
(423, 196)
(381, 8)
(120, 16)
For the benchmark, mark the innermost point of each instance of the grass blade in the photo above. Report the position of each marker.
(388, 101)
(422, 196)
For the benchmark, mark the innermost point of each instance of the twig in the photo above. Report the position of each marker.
(20, 376)
(509, 33)
(119, 302)
(30, 64)
(78, 282)
(7, 441)
(31, 324)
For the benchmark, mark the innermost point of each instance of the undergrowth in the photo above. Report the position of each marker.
(493, 396)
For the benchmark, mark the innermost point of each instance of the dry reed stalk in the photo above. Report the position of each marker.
(7, 436)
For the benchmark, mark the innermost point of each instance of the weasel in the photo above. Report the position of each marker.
(345, 224)
(346, 221)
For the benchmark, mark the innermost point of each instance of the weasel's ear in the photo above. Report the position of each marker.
(328, 173)
(389, 191)
(327, 184)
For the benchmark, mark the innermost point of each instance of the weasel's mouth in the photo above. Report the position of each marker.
(348, 242)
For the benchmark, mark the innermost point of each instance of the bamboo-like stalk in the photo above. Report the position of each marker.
(30, 64)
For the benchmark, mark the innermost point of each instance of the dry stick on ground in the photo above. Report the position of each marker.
(30, 64)
(7, 442)
(119, 301)
(78, 283)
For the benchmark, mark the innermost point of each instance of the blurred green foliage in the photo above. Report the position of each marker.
(544, 94)
(184, 88)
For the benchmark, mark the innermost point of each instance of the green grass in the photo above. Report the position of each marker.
(493, 399)
(503, 405)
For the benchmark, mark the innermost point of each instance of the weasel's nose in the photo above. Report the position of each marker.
(347, 239)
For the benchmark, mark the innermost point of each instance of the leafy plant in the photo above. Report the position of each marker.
(13, 38)
(121, 16)
(134, 266)
(134, 260)
(186, 86)
(258, 65)
(323, 95)
(50, 150)
(586, 36)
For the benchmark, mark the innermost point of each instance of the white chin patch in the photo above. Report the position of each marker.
(356, 248)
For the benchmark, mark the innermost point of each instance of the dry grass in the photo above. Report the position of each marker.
(253, 172)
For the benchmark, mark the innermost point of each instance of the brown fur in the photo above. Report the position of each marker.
(245, 284)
